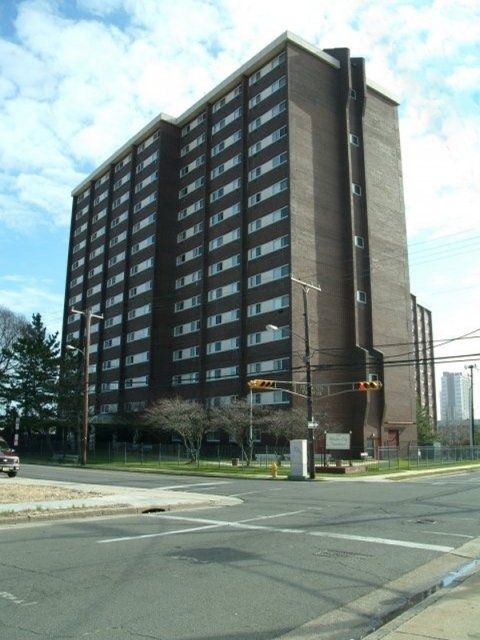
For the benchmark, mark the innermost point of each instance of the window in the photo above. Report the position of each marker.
(268, 276)
(188, 303)
(186, 354)
(270, 218)
(186, 378)
(223, 318)
(222, 374)
(226, 99)
(273, 304)
(221, 124)
(270, 191)
(268, 140)
(275, 86)
(188, 327)
(268, 247)
(226, 213)
(273, 64)
(222, 292)
(356, 189)
(268, 115)
(228, 188)
(218, 148)
(282, 158)
(223, 345)
(196, 206)
(189, 255)
(220, 241)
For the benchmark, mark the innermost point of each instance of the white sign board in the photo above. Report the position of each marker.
(298, 458)
(337, 441)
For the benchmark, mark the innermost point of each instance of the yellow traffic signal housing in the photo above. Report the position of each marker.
(261, 384)
(372, 385)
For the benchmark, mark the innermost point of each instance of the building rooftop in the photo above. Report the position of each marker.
(246, 69)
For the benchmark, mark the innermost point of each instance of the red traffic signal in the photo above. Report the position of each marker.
(373, 385)
(261, 384)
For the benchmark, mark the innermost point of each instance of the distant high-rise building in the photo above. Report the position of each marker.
(187, 238)
(454, 398)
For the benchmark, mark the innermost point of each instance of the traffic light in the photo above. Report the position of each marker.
(373, 385)
(261, 384)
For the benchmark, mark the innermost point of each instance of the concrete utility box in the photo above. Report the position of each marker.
(298, 459)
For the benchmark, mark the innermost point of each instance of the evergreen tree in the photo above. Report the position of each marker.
(425, 427)
(34, 380)
(70, 395)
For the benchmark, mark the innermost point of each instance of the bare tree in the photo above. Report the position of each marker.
(237, 419)
(287, 424)
(12, 327)
(187, 418)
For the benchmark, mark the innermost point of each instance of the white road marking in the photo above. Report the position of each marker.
(276, 515)
(212, 524)
(193, 484)
(445, 533)
(388, 541)
(158, 535)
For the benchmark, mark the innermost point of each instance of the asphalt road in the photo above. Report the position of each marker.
(295, 560)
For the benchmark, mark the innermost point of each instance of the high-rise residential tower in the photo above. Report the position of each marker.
(454, 398)
(187, 238)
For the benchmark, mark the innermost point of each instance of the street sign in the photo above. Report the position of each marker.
(339, 441)
(312, 424)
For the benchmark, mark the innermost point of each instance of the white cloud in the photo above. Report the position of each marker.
(78, 79)
(27, 295)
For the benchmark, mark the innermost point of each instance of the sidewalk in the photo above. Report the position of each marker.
(452, 613)
(105, 500)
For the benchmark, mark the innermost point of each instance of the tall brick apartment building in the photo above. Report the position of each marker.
(187, 237)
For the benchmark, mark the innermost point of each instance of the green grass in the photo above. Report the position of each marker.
(226, 468)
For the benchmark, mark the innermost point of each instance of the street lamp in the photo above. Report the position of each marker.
(308, 375)
(472, 418)
(86, 371)
(84, 431)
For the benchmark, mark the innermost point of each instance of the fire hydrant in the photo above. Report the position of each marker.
(273, 469)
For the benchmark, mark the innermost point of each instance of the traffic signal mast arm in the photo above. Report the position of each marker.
(300, 388)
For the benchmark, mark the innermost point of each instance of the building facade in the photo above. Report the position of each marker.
(187, 238)
(454, 398)
(424, 359)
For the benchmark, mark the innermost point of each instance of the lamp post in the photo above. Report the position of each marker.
(472, 413)
(250, 428)
(86, 372)
(308, 375)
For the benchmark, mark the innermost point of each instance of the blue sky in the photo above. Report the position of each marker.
(79, 77)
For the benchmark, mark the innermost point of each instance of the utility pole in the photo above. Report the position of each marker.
(308, 374)
(472, 416)
(88, 313)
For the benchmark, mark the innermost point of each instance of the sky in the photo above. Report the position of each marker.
(80, 77)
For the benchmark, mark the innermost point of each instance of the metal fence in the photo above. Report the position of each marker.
(422, 456)
(383, 459)
(157, 454)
